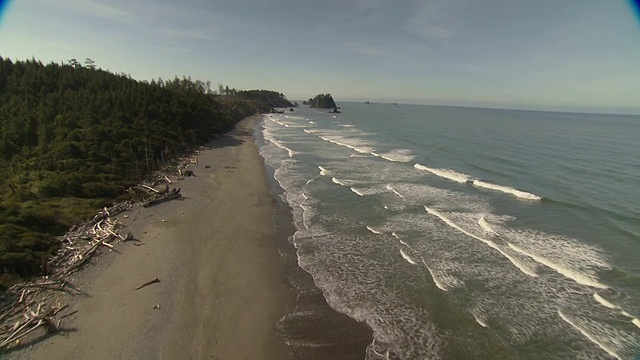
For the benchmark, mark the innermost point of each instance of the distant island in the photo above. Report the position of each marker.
(324, 101)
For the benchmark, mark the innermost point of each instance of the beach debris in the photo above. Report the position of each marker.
(30, 321)
(152, 281)
(156, 306)
(83, 241)
(32, 305)
(207, 167)
(27, 306)
(164, 196)
(150, 188)
(229, 167)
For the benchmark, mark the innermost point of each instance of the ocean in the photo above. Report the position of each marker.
(467, 233)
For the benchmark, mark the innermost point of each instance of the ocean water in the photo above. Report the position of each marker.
(464, 233)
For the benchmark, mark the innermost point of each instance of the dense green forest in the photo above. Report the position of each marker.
(73, 137)
(269, 98)
(322, 101)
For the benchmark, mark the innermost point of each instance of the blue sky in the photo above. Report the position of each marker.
(543, 54)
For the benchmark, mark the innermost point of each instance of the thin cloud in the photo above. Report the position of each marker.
(203, 34)
(174, 49)
(433, 19)
(364, 49)
(96, 9)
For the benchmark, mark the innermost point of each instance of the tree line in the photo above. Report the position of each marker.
(73, 137)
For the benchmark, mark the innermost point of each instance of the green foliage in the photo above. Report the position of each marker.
(322, 101)
(270, 98)
(74, 137)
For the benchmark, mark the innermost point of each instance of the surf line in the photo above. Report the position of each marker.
(464, 178)
(560, 269)
(408, 258)
(491, 244)
(584, 333)
(609, 305)
(394, 191)
(485, 225)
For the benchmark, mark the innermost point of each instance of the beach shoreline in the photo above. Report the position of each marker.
(221, 288)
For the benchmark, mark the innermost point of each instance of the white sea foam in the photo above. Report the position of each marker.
(355, 144)
(436, 281)
(339, 182)
(278, 143)
(445, 173)
(346, 125)
(307, 213)
(408, 258)
(478, 317)
(604, 302)
(357, 191)
(344, 182)
(397, 155)
(521, 266)
(463, 178)
(443, 281)
(507, 190)
(373, 230)
(572, 274)
(610, 305)
(589, 336)
(394, 191)
(323, 171)
(485, 225)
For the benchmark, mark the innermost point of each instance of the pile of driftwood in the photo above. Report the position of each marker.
(28, 306)
(81, 242)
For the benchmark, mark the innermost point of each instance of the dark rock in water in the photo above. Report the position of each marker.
(367, 102)
(335, 111)
(324, 101)
(291, 109)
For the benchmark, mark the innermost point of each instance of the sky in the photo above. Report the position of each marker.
(578, 55)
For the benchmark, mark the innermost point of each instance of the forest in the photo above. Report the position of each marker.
(74, 137)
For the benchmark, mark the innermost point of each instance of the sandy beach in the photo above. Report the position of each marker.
(221, 290)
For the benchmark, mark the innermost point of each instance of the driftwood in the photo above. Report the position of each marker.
(29, 306)
(24, 307)
(152, 281)
(32, 321)
(168, 196)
